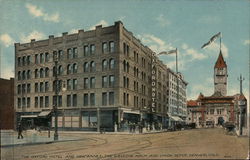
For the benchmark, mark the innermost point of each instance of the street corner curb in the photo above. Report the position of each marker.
(37, 143)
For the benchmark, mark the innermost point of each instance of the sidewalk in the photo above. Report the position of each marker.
(112, 133)
(9, 138)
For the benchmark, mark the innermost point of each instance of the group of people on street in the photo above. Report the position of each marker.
(133, 126)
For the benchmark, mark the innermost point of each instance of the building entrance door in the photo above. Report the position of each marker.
(220, 121)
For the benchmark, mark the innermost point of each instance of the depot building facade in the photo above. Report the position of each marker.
(104, 81)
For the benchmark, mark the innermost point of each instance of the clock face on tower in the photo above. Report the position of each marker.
(220, 72)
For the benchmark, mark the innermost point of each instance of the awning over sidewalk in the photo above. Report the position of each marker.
(44, 113)
(176, 118)
(29, 116)
(131, 111)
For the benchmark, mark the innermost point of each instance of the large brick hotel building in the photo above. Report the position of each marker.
(107, 73)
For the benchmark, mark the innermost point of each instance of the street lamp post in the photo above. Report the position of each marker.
(56, 100)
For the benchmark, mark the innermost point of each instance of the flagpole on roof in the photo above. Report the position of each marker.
(220, 40)
(176, 61)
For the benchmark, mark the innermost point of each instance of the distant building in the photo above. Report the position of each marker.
(176, 97)
(7, 104)
(241, 120)
(218, 108)
(195, 111)
(110, 79)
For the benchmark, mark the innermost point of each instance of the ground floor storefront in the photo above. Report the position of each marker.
(98, 119)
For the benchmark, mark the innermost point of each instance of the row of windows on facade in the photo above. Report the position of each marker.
(158, 108)
(173, 94)
(218, 111)
(71, 53)
(211, 112)
(107, 81)
(136, 101)
(175, 103)
(174, 87)
(71, 68)
(88, 99)
(72, 85)
(126, 67)
(136, 87)
(126, 51)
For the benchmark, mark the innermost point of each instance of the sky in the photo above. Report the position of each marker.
(162, 25)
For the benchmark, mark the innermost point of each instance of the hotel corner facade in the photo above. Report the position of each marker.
(105, 80)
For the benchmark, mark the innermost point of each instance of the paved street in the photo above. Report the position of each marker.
(188, 144)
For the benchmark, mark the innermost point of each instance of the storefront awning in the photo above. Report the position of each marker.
(131, 111)
(175, 118)
(29, 116)
(44, 113)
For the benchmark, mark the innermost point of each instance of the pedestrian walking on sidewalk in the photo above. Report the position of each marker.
(20, 130)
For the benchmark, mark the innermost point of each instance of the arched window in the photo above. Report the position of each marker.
(70, 53)
(92, 66)
(75, 53)
(19, 61)
(111, 63)
(124, 66)
(24, 61)
(57, 85)
(41, 58)
(46, 57)
(19, 76)
(41, 73)
(36, 73)
(28, 74)
(54, 85)
(127, 67)
(54, 71)
(86, 67)
(69, 69)
(134, 71)
(55, 56)
(28, 60)
(74, 68)
(60, 70)
(104, 64)
(46, 72)
(23, 75)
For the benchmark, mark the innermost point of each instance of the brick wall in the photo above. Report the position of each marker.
(6, 104)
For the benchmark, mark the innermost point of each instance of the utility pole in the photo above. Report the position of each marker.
(240, 104)
(0, 60)
(241, 79)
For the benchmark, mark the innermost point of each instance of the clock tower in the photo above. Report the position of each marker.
(220, 76)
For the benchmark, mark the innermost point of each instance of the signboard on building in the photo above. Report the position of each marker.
(153, 84)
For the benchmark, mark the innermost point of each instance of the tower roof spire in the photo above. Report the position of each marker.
(220, 63)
